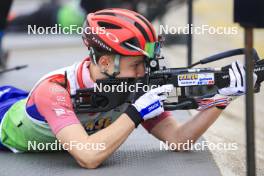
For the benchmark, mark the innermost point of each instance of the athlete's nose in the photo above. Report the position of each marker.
(141, 71)
(140, 75)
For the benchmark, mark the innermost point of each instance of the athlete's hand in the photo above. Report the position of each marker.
(236, 88)
(149, 105)
(237, 85)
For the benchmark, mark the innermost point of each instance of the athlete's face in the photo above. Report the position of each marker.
(132, 66)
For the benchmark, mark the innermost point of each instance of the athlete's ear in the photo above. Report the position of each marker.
(105, 61)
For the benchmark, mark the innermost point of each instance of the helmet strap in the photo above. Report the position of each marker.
(116, 63)
(116, 67)
(92, 55)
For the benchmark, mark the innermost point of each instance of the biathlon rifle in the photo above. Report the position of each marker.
(191, 84)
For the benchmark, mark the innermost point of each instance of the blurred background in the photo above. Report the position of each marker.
(44, 53)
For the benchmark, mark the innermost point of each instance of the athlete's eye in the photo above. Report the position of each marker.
(134, 65)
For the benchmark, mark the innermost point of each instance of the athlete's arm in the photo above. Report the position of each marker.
(169, 130)
(145, 107)
(54, 103)
(109, 139)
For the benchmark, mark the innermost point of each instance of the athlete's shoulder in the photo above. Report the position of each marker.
(53, 102)
(49, 89)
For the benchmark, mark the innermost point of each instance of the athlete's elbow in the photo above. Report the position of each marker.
(89, 163)
(182, 143)
(89, 160)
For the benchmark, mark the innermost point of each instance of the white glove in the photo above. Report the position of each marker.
(149, 105)
(237, 85)
(236, 88)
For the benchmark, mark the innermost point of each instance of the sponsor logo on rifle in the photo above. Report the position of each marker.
(188, 77)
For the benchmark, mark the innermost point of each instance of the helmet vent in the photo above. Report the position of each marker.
(108, 25)
(132, 41)
(105, 13)
(144, 20)
(141, 29)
